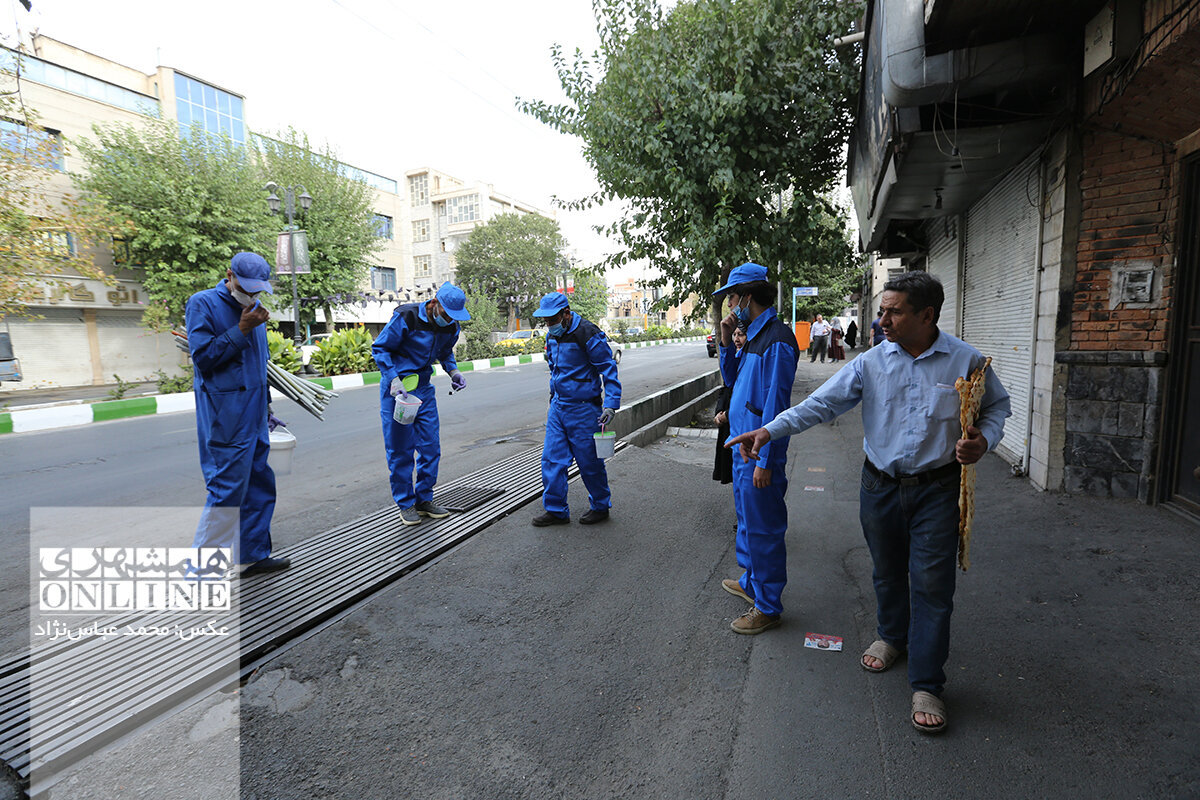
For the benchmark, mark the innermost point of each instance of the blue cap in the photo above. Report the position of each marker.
(551, 304)
(252, 271)
(453, 301)
(746, 273)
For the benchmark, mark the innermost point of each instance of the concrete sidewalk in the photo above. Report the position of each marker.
(597, 662)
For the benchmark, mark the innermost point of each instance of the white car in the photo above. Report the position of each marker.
(310, 346)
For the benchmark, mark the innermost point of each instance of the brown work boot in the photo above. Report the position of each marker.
(754, 621)
(735, 588)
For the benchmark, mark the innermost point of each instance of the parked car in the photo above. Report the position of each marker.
(310, 346)
(711, 344)
(634, 331)
(519, 338)
(616, 350)
(10, 367)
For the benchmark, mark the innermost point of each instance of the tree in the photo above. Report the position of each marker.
(485, 314)
(341, 225)
(721, 123)
(513, 257)
(193, 200)
(45, 230)
(590, 297)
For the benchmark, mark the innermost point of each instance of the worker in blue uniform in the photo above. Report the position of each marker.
(229, 351)
(417, 335)
(584, 396)
(761, 376)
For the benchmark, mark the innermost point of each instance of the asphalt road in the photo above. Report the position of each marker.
(339, 473)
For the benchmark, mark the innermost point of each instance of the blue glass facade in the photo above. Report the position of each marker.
(217, 112)
(34, 69)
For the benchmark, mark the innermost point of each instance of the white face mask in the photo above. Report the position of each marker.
(246, 300)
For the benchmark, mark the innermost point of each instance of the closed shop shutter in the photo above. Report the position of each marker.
(942, 235)
(998, 292)
(130, 350)
(53, 350)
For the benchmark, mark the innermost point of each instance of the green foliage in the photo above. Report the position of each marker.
(340, 224)
(283, 352)
(346, 352)
(721, 125)
(38, 221)
(515, 258)
(485, 315)
(590, 298)
(122, 387)
(193, 201)
(174, 385)
(622, 328)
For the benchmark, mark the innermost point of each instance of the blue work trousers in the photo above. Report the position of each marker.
(569, 428)
(241, 497)
(912, 532)
(412, 445)
(761, 531)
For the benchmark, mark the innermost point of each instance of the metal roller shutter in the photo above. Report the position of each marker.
(130, 350)
(943, 264)
(998, 292)
(53, 350)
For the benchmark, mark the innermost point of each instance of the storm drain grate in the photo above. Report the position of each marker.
(464, 498)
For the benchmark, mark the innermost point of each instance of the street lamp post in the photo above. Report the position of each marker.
(289, 207)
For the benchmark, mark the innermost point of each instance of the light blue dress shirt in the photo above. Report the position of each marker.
(909, 405)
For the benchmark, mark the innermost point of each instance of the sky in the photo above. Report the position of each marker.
(391, 85)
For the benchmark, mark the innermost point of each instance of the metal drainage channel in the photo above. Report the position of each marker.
(100, 690)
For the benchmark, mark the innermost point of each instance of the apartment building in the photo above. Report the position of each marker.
(630, 302)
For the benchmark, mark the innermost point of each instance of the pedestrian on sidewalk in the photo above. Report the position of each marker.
(761, 377)
(584, 397)
(228, 344)
(910, 479)
(819, 331)
(836, 351)
(877, 336)
(417, 335)
(852, 333)
(723, 461)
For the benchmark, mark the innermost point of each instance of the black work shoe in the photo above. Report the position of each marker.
(542, 520)
(593, 516)
(427, 508)
(272, 564)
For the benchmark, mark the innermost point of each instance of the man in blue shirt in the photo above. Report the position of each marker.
(417, 335)
(761, 375)
(582, 372)
(228, 344)
(910, 479)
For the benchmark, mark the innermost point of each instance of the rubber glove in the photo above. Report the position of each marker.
(457, 381)
(606, 416)
(396, 388)
(273, 421)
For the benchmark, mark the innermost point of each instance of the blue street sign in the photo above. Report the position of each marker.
(804, 291)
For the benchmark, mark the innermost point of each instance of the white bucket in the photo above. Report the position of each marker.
(283, 444)
(406, 410)
(606, 443)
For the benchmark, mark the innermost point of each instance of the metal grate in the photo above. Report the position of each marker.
(333, 573)
(464, 498)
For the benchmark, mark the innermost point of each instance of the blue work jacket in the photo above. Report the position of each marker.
(411, 342)
(762, 378)
(579, 358)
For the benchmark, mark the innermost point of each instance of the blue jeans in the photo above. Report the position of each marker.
(912, 532)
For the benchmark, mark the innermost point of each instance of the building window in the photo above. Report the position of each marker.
(34, 69)
(463, 209)
(422, 266)
(418, 189)
(420, 230)
(383, 279)
(215, 111)
(122, 256)
(58, 243)
(383, 226)
(40, 147)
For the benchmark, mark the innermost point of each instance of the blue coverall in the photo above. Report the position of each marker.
(578, 359)
(762, 378)
(231, 390)
(409, 345)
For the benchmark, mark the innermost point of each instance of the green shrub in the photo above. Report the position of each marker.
(346, 352)
(174, 385)
(283, 352)
(123, 386)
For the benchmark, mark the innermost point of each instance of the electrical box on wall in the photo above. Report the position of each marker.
(1112, 34)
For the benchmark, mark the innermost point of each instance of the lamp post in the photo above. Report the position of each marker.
(289, 207)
